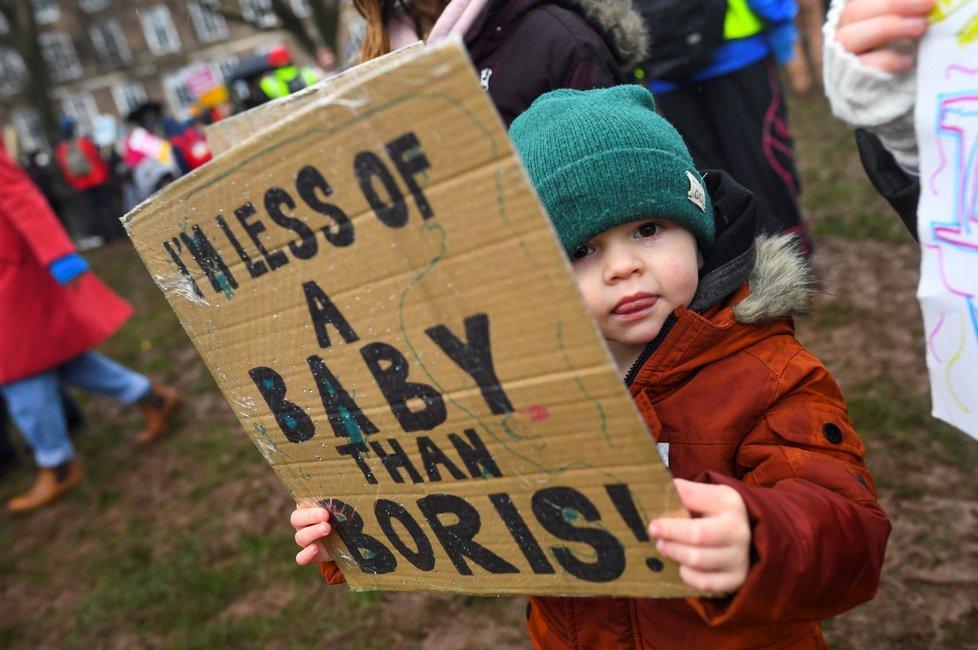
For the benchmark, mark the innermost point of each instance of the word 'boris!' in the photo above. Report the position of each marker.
(455, 523)
(376, 181)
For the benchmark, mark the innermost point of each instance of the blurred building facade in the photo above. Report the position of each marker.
(107, 56)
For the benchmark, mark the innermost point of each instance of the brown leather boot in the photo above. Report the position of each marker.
(158, 406)
(50, 484)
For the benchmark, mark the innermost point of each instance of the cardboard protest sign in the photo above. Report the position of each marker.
(375, 288)
(232, 130)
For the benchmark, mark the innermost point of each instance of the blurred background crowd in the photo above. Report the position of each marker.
(105, 102)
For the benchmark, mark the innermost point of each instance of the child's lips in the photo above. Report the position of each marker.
(634, 306)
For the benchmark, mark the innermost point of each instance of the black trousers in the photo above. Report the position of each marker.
(6, 448)
(738, 122)
(102, 213)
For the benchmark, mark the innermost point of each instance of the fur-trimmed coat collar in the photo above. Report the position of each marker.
(621, 25)
(617, 21)
(781, 283)
(780, 278)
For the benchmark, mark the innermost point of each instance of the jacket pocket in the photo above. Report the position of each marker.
(821, 444)
(824, 430)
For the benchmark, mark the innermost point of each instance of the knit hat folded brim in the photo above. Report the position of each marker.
(611, 188)
(602, 158)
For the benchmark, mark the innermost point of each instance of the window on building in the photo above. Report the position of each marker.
(110, 42)
(13, 72)
(259, 12)
(30, 133)
(45, 11)
(178, 94)
(302, 8)
(127, 96)
(60, 55)
(210, 25)
(161, 34)
(83, 109)
(225, 66)
(93, 5)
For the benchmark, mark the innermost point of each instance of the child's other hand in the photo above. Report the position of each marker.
(713, 548)
(873, 29)
(311, 525)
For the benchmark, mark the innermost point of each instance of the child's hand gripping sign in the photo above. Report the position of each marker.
(376, 290)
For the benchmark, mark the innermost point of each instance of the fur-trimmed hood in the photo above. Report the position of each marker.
(780, 278)
(781, 283)
(619, 23)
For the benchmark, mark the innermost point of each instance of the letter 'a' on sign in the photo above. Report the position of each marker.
(377, 291)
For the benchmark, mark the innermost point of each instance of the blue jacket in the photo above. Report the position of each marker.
(776, 36)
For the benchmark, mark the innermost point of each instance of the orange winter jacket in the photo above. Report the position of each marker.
(732, 397)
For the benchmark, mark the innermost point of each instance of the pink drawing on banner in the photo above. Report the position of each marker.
(956, 240)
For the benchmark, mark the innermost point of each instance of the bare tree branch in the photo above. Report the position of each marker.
(294, 25)
(325, 18)
(23, 37)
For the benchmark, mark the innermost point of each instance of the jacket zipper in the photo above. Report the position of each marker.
(650, 348)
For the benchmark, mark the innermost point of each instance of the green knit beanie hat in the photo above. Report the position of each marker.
(602, 158)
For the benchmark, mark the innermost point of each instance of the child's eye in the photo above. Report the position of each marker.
(648, 229)
(581, 253)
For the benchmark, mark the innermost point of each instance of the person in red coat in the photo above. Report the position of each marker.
(82, 167)
(55, 313)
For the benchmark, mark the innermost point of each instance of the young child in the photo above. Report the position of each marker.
(697, 314)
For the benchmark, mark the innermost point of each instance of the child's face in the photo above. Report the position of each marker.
(633, 276)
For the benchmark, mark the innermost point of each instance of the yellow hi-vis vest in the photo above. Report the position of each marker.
(287, 80)
(740, 21)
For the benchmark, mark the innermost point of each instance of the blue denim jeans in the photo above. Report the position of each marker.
(35, 401)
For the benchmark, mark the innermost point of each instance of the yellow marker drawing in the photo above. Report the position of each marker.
(945, 8)
(947, 370)
(969, 33)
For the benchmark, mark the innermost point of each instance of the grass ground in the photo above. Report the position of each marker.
(187, 545)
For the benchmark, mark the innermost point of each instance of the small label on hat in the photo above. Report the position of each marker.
(696, 194)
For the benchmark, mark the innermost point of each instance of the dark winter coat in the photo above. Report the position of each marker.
(736, 400)
(42, 323)
(524, 48)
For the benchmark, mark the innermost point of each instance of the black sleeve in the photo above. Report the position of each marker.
(901, 190)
